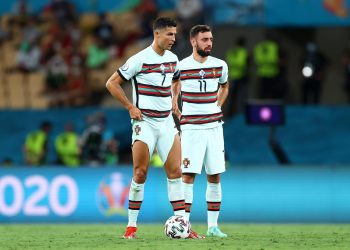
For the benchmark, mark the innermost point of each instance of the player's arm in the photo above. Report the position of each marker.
(224, 87)
(222, 93)
(176, 90)
(113, 85)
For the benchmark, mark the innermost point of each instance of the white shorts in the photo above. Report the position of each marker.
(203, 147)
(156, 134)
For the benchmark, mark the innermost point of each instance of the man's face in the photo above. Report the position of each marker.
(203, 43)
(166, 37)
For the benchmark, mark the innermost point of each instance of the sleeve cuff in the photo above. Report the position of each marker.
(121, 75)
(176, 75)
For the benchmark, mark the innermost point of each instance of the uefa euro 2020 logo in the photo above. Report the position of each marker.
(112, 195)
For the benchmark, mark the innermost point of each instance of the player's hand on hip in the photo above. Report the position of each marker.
(135, 113)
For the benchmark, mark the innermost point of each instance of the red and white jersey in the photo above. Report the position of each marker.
(151, 75)
(199, 89)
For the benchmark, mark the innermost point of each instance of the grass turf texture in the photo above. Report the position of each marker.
(241, 236)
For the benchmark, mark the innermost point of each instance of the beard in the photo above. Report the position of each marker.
(203, 53)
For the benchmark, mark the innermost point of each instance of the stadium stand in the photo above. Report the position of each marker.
(17, 91)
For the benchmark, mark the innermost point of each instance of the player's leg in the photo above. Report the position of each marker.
(143, 144)
(214, 165)
(188, 181)
(193, 143)
(173, 172)
(168, 146)
(140, 155)
(214, 197)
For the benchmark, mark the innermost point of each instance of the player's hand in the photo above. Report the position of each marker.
(175, 109)
(135, 113)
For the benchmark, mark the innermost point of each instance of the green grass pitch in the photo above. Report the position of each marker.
(151, 236)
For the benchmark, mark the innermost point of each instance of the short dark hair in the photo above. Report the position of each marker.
(163, 22)
(199, 29)
(45, 125)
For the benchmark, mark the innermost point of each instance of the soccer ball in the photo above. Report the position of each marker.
(177, 227)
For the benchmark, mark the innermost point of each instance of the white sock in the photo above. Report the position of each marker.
(213, 196)
(176, 196)
(135, 200)
(188, 188)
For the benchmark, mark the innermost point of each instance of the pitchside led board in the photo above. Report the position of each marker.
(265, 112)
(100, 195)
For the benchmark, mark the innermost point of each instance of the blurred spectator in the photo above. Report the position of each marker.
(30, 32)
(313, 71)
(346, 63)
(28, 57)
(56, 71)
(189, 13)
(21, 11)
(97, 56)
(67, 147)
(91, 141)
(74, 33)
(36, 145)
(75, 88)
(57, 41)
(267, 60)
(111, 152)
(62, 10)
(104, 31)
(147, 11)
(238, 60)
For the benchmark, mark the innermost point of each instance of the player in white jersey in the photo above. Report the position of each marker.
(152, 71)
(204, 90)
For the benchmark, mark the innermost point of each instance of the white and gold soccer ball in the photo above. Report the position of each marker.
(177, 227)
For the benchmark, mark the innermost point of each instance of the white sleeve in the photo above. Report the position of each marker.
(224, 74)
(130, 68)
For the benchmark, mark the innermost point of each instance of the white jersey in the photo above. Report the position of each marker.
(199, 88)
(151, 75)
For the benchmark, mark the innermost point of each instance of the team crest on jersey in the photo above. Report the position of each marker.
(125, 67)
(137, 129)
(186, 162)
(202, 73)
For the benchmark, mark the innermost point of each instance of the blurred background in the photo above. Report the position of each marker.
(66, 141)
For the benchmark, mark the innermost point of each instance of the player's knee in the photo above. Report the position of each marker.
(213, 178)
(175, 173)
(188, 178)
(140, 176)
